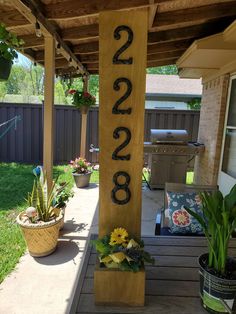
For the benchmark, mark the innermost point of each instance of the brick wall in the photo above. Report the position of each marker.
(212, 115)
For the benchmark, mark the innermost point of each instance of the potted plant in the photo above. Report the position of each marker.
(82, 100)
(217, 269)
(8, 43)
(118, 250)
(63, 195)
(121, 261)
(40, 222)
(81, 172)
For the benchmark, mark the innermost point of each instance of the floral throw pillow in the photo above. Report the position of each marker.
(180, 220)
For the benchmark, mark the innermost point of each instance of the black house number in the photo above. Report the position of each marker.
(117, 59)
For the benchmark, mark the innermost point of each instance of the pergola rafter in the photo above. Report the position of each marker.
(173, 25)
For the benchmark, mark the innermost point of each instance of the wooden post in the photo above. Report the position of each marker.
(84, 119)
(122, 70)
(48, 139)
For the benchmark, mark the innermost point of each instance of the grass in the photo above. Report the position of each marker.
(15, 182)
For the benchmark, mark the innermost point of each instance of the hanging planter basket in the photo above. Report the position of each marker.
(84, 109)
(5, 68)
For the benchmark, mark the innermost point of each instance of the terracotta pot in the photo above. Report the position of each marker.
(5, 68)
(82, 180)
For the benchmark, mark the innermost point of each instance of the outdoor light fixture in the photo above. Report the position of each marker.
(58, 49)
(70, 62)
(38, 29)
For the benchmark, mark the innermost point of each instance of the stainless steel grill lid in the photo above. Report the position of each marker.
(169, 136)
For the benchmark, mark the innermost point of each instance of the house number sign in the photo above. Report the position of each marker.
(122, 62)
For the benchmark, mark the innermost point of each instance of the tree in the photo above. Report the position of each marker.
(167, 70)
(60, 95)
(94, 85)
(15, 79)
(194, 104)
(3, 91)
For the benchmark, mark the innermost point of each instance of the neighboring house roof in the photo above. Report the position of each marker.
(172, 84)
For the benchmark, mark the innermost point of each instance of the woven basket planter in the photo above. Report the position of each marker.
(41, 239)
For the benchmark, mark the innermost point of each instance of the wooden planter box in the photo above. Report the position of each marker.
(118, 288)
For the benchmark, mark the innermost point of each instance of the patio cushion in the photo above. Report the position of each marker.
(180, 221)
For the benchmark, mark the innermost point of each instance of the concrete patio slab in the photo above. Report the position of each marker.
(48, 284)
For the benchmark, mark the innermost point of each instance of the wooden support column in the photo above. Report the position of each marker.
(84, 119)
(48, 126)
(122, 70)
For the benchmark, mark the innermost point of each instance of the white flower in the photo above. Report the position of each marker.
(175, 204)
(31, 211)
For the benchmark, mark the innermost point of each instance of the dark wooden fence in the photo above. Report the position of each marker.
(25, 143)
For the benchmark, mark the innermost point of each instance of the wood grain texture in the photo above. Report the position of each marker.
(172, 284)
(129, 215)
(48, 130)
(201, 13)
(80, 8)
(129, 287)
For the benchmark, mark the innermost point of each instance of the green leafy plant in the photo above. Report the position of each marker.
(82, 98)
(40, 200)
(8, 43)
(117, 250)
(218, 223)
(194, 104)
(80, 165)
(62, 196)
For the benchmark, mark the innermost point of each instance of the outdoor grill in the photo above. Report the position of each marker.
(169, 154)
(169, 136)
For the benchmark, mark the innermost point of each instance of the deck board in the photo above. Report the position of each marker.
(172, 284)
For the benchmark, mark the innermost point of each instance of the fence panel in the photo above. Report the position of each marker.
(25, 144)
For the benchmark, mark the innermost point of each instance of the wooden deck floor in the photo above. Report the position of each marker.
(172, 284)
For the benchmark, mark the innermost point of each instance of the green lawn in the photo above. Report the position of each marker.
(15, 181)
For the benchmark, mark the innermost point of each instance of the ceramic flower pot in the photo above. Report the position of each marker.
(41, 239)
(82, 180)
(5, 68)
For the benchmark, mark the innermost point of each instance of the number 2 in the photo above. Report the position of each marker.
(116, 87)
(117, 36)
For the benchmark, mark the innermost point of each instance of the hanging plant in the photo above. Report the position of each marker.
(82, 100)
(8, 45)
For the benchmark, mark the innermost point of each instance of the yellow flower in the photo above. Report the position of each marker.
(132, 243)
(118, 236)
(118, 257)
(106, 259)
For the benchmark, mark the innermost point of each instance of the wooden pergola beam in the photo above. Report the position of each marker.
(93, 57)
(90, 32)
(13, 19)
(31, 10)
(31, 41)
(200, 13)
(152, 13)
(80, 8)
(169, 46)
(48, 109)
(92, 63)
(165, 55)
(80, 32)
(190, 32)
